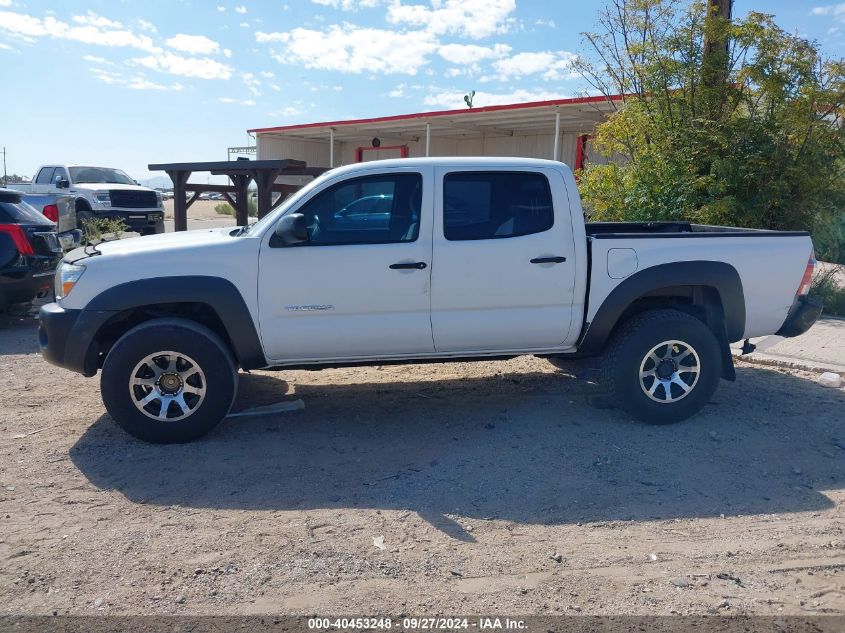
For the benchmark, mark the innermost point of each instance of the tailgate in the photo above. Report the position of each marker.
(67, 213)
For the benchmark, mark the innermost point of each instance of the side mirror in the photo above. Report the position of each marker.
(63, 183)
(292, 229)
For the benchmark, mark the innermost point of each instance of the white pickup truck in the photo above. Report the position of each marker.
(419, 260)
(101, 192)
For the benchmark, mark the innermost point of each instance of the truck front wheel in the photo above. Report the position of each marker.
(168, 381)
(662, 366)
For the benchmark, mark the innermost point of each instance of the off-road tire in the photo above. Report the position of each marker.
(181, 336)
(629, 347)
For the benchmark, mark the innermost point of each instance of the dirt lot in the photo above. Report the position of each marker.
(497, 487)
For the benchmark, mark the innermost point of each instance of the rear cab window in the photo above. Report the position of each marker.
(45, 176)
(490, 205)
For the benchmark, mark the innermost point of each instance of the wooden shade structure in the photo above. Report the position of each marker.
(241, 173)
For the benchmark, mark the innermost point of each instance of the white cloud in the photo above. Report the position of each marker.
(240, 9)
(144, 84)
(354, 50)
(138, 82)
(470, 53)
(195, 44)
(221, 9)
(252, 83)
(267, 74)
(244, 25)
(287, 111)
(549, 23)
(6, 47)
(454, 99)
(552, 65)
(398, 91)
(5, 3)
(348, 5)
(147, 26)
(245, 102)
(227, 53)
(831, 9)
(97, 60)
(472, 18)
(90, 29)
(199, 67)
(92, 19)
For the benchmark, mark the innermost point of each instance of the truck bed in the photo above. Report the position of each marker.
(770, 264)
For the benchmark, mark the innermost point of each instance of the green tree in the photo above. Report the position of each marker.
(764, 148)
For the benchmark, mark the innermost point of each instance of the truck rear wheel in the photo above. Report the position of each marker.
(662, 366)
(168, 381)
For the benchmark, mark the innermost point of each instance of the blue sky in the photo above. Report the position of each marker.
(127, 83)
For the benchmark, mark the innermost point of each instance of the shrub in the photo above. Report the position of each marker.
(226, 209)
(761, 145)
(826, 288)
(98, 229)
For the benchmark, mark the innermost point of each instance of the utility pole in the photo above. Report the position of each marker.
(5, 177)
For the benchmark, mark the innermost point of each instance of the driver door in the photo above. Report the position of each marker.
(360, 286)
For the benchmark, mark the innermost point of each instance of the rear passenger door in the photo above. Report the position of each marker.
(503, 276)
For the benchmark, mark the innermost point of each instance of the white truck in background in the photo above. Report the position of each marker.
(420, 260)
(101, 192)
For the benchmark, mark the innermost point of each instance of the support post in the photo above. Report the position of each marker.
(555, 151)
(428, 139)
(265, 179)
(331, 149)
(180, 204)
(241, 183)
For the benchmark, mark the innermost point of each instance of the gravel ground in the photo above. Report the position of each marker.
(492, 487)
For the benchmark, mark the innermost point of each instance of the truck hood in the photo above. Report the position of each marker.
(181, 241)
(106, 186)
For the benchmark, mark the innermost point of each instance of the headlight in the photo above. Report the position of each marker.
(158, 198)
(66, 277)
(103, 198)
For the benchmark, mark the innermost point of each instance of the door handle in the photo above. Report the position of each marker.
(548, 260)
(410, 265)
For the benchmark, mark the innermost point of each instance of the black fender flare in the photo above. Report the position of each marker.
(221, 295)
(722, 277)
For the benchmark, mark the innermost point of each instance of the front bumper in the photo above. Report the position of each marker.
(133, 218)
(66, 337)
(802, 315)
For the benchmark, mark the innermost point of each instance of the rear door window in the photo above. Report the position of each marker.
(495, 205)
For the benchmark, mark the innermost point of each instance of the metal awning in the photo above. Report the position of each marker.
(575, 115)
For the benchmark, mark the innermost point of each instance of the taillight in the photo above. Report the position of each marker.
(51, 212)
(18, 238)
(807, 279)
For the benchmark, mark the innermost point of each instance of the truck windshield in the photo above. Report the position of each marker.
(99, 174)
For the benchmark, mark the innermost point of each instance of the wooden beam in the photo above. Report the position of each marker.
(214, 188)
(180, 206)
(192, 199)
